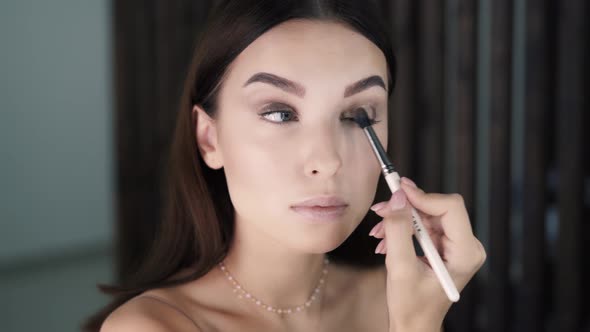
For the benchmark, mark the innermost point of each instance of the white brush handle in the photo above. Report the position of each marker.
(441, 272)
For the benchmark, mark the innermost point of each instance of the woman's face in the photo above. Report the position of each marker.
(283, 131)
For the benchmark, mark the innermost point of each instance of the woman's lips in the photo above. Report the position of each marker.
(321, 208)
(321, 213)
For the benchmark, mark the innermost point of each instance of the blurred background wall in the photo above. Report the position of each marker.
(490, 102)
(56, 162)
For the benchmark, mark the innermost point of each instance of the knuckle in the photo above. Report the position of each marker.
(483, 254)
(457, 199)
(479, 255)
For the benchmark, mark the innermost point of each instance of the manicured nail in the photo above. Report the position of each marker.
(376, 229)
(378, 206)
(379, 247)
(398, 201)
(409, 182)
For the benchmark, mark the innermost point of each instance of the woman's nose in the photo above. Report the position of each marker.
(323, 158)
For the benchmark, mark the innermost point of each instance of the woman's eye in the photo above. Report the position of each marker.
(372, 114)
(372, 121)
(280, 116)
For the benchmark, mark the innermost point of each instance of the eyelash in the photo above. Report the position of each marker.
(278, 111)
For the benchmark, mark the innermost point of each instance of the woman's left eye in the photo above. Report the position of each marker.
(371, 110)
(351, 119)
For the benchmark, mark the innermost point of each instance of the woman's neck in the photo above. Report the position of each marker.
(278, 276)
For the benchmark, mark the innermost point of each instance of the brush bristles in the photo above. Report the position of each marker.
(361, 117)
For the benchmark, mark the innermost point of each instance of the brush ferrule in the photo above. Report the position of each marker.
(386, 165)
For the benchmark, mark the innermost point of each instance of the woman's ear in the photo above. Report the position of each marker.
(206, 134)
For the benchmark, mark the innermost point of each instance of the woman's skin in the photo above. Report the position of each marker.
(307, 148)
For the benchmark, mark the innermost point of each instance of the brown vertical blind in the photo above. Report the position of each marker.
(538, 98)
(497, 295)
(572, 29)
(460, 83)
(403, 104)
(430, 98)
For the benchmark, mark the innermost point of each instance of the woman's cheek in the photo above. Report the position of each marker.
(256, 161)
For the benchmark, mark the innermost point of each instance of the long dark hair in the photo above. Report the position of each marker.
(197, 225)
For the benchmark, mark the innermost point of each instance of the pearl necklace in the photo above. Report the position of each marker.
(242, 293)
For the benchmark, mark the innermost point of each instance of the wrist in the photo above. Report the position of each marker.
(422, 326)
(414, 329)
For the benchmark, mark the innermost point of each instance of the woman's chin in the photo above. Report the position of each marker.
(319, 243)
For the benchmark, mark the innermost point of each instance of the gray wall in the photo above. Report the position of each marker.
(56, 181)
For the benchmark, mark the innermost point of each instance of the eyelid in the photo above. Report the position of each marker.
(371, 108)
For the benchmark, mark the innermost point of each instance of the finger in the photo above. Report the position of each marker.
(384, 248)
(378, 206)
(401, 256)
(431, 223)
(449, 207)
(434, 229)
(396, 202)
(380, 233)
(380, 247)
(376, 229)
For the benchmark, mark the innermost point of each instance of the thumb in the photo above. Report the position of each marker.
(401, 257)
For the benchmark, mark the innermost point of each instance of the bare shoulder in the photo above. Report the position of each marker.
(147, 314)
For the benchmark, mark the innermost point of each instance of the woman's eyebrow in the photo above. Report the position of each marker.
(364, 84)
(298, 89)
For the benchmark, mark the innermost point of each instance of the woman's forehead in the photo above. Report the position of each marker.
(310, 51)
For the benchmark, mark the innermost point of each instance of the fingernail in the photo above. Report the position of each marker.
(378, 206)
(398, 200)
(375, 229)
(409, 182)
(379, 247)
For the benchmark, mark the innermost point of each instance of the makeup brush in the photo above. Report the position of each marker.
(393, 181)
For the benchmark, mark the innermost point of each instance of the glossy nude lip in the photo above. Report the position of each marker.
(319, 209)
